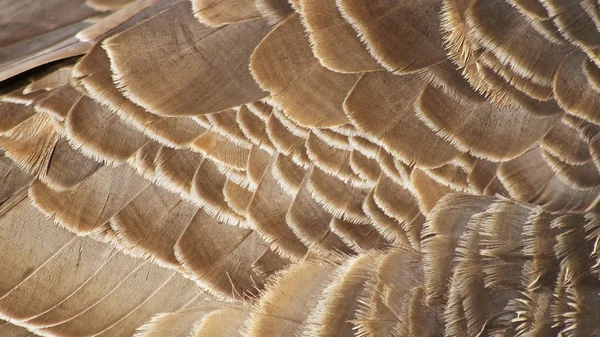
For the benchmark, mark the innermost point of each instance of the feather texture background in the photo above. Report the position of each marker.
(307, 168)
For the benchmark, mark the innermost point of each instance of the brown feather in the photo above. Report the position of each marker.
(196, 45)
(284, 65)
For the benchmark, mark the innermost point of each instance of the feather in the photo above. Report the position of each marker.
(582, 176)
(258, 162)
(285, 141)
(480, 127)
(288, 174)
(133, 68)
(395, 200)
(266, 214)
(392, 97)
(53, 80)
(177, 324)
(207, 190)
(334, 313)
(539, 244)
(122, 302)
(283, 64)
(220, 12)
(253, 128)
(78, 263)
(360, 238)
(92, 203)
(541, 186)
(505, 37)
(105, 5)
(176, 168)
(94, 73)
(211, 324)
(442, 230)
(100, 133)
(592, 73)
(483, 178)
(364, 167)
(144, 162)
(222, 150)
(450, 175)
(376, 316)
(570, 82)
(531, 7)
(8, 329)
(170, 297)
(331, 160)
(447, 77)
(25, 236)
(13, 115)
(525, 85)
(419, 313)
(92, 291)
(225, 123)
(30, 144)
(333, 137)
(124, 18)
(274, 10)
(338, 198)
(566, 143)
(376, 22)
(34, 34)
(59, 102)
(222, 263)
(67, 168)
(573, 23)
(153, 231)
(394, 168)
(14, 181)
(386, 226)
(310, 223)
(573, 250)
(237, 197)
(427, 190)
(302, 284)
(333, 40)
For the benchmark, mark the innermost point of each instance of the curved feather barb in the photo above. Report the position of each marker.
(299, 168)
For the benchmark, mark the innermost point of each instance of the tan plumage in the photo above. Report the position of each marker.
(306, 168)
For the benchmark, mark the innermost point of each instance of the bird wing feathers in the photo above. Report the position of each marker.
(262, 168)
